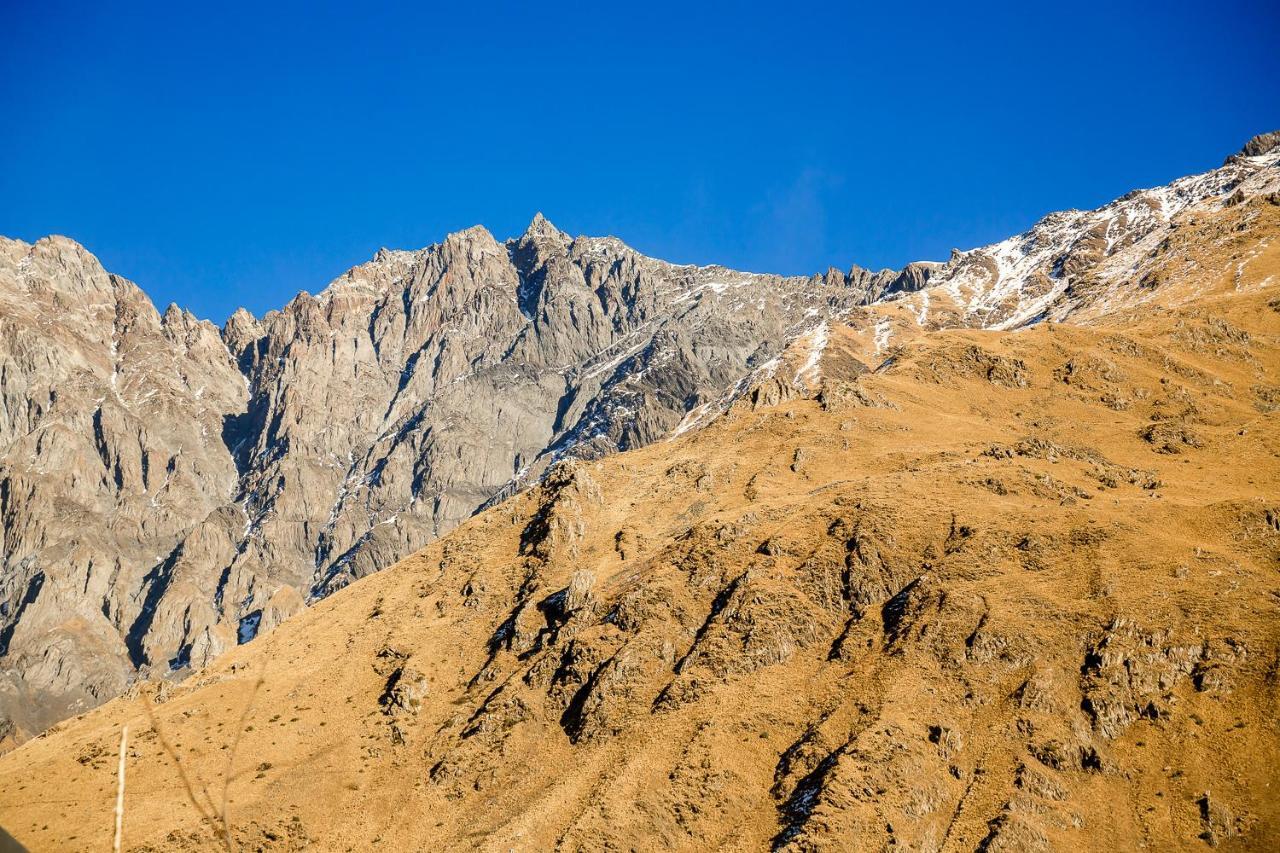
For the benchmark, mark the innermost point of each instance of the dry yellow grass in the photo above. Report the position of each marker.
(1013, 591)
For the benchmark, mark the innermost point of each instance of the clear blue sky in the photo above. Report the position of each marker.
(234, 154)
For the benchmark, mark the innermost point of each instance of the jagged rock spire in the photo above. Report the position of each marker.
(540, 226)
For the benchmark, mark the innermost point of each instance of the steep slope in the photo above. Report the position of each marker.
(995, 590)
(1088, 264)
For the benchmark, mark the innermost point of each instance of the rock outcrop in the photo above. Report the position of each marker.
(1083, 265)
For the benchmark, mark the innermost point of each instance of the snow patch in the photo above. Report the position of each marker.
(883, 331)
(248, 628)
(922, 315)
(810, 372)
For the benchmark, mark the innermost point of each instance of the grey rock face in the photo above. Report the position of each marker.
(168, 490)
(113, 477)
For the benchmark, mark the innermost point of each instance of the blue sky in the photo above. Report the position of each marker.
(233, 155)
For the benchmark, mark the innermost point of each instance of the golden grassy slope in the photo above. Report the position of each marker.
(1014, 591)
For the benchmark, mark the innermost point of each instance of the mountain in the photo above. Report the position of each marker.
(915, 582)
(170, 490)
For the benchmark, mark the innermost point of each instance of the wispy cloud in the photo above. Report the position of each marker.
(790, 223)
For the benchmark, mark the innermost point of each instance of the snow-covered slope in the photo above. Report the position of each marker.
(1076, 265)
(1082, 264)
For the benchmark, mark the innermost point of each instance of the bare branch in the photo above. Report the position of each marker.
(124, 739)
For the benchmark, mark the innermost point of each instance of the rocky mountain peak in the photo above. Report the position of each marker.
(217, 475)
(241, 318)
(543, 237)
(540, 226)
(60, 243)
(471, 245)
(1263, 143)
(58, 267)
(240, 331)
(1257, 146)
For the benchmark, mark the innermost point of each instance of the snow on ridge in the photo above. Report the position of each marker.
(611, 363)
(990, 284)
(1019, 281)
(690, 420)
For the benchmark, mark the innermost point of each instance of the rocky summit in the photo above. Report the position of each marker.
(977, 556)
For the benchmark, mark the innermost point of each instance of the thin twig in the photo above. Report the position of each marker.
(212, 814)
(177, 761)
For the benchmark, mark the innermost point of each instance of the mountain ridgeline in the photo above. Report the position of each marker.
(169, 490)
